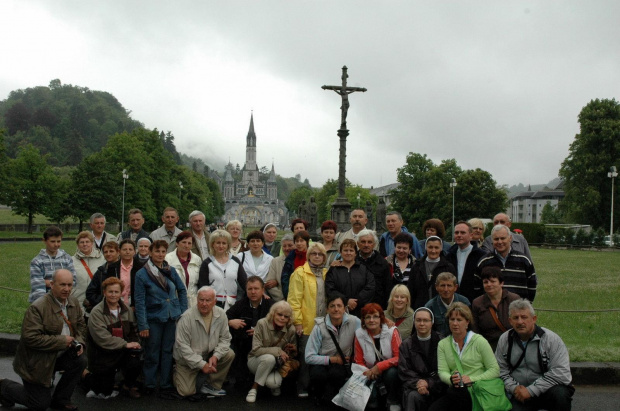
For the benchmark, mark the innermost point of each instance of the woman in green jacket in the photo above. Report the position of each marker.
(476, 357)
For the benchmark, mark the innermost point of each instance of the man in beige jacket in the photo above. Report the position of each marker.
(202, 346)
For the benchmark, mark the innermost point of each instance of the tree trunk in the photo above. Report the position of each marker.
(30, 218)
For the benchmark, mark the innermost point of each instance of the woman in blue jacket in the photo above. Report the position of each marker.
(160, 299)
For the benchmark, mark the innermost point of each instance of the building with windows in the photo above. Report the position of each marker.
(252, 198)
(527, 207)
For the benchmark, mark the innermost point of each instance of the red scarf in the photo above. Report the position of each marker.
(300, 258)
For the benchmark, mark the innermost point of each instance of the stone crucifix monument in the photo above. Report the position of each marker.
(341, 207)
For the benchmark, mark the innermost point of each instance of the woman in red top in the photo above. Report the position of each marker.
(376, 353)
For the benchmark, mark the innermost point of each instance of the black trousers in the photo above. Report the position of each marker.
(326, 380)
(556, 398)
(102, 382)
(38, 397)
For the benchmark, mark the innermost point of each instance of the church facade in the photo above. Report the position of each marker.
(252, 200)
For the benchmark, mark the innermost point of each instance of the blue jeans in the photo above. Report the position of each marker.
(158, 354)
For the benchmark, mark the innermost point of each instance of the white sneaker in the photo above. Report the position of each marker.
(251, 397)
(394, 407)
(276, 392)
(210, 390)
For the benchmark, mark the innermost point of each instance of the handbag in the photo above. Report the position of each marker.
(346, 364)
(288, 367)
(354, 394)
(486, 395)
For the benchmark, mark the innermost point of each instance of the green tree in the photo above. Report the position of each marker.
(31, 184)
(551, 214)
(351, 192)
(595, 149)
(425, 192)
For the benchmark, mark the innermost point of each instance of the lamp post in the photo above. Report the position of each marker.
(125, 177)
(180, 190)
(358, 200)
(453, 185)
(612, 174)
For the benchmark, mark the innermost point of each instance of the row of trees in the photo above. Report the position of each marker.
(424, 192)
(31, 186)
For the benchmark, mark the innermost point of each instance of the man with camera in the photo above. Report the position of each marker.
(53, 331)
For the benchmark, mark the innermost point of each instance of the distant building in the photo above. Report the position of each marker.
(384, 192)
(527, 207)
(252, 200)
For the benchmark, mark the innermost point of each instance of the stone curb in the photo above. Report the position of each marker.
(584, 373)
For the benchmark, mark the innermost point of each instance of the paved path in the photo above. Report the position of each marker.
(599, 398)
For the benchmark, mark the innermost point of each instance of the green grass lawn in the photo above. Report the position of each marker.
(567, 280)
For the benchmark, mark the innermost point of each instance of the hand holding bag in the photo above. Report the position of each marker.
(486, 395)
(354, 394)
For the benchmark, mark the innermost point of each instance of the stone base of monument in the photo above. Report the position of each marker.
(341, 211)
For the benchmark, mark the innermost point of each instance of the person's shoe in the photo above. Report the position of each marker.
(394, 407)
(131, 392)
(251, 397)
(302, 394)
(276, 392)
(169, 394)
(209, 390)
(3, 401)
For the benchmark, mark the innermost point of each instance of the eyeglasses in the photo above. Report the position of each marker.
(316, 255)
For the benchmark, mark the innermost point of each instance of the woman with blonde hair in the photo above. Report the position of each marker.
(308, 300)
(235, 229)
(273, 342)
(477, 227)
(222, 270)
(399, 310)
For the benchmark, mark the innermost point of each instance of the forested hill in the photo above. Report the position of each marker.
(65, 121)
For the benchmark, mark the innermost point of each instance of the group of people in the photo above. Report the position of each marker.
(178, 311)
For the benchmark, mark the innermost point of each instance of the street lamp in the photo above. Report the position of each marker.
(358, 200)
(125, 177)
(453, 185)
(612, 174)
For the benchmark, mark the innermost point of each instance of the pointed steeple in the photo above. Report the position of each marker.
(251, 139)
(272, 174)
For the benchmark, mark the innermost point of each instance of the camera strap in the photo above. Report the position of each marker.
(64, 317)
(331, 334)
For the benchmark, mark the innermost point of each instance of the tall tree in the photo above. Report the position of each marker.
(595, 149)
(31, 184)
(297, 196)
(425, 192)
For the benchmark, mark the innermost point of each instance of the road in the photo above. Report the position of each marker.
(599, 398)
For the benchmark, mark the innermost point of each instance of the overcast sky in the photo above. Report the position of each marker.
(495, 85)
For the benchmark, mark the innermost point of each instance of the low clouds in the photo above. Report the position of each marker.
(497, 86)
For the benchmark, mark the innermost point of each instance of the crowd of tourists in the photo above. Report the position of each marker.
(424, 324)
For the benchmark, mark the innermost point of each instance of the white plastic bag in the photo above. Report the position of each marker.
(354, 393)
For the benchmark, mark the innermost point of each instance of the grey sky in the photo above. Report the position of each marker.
(495, 85)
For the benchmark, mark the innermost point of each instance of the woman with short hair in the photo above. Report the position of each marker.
(273, 342)
(474, 353)
(222, 270)
(477, 226)
(113, 343)
(255, 261)
(86, 260)
(328, 238)
(308, 300)
(273, 285)
(376, 354)
(490, 310)
(401, 262)
(295, 259)
(160, 299)
(272, 245)
(435, 227)
(351, 279)
(329, 349)
(186, 264)
(235, 229)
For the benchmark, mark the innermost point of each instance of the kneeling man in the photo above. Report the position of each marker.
(202, 346)
(533, 362)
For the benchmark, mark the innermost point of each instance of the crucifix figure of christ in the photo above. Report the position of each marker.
(342, 207)
(343, 91)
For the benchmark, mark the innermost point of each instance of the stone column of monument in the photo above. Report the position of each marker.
(341, 207)
(381, 210)
(371, 222)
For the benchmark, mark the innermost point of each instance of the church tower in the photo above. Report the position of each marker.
(250, 169)
(272, 185)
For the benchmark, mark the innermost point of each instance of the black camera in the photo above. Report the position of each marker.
(76, 345)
